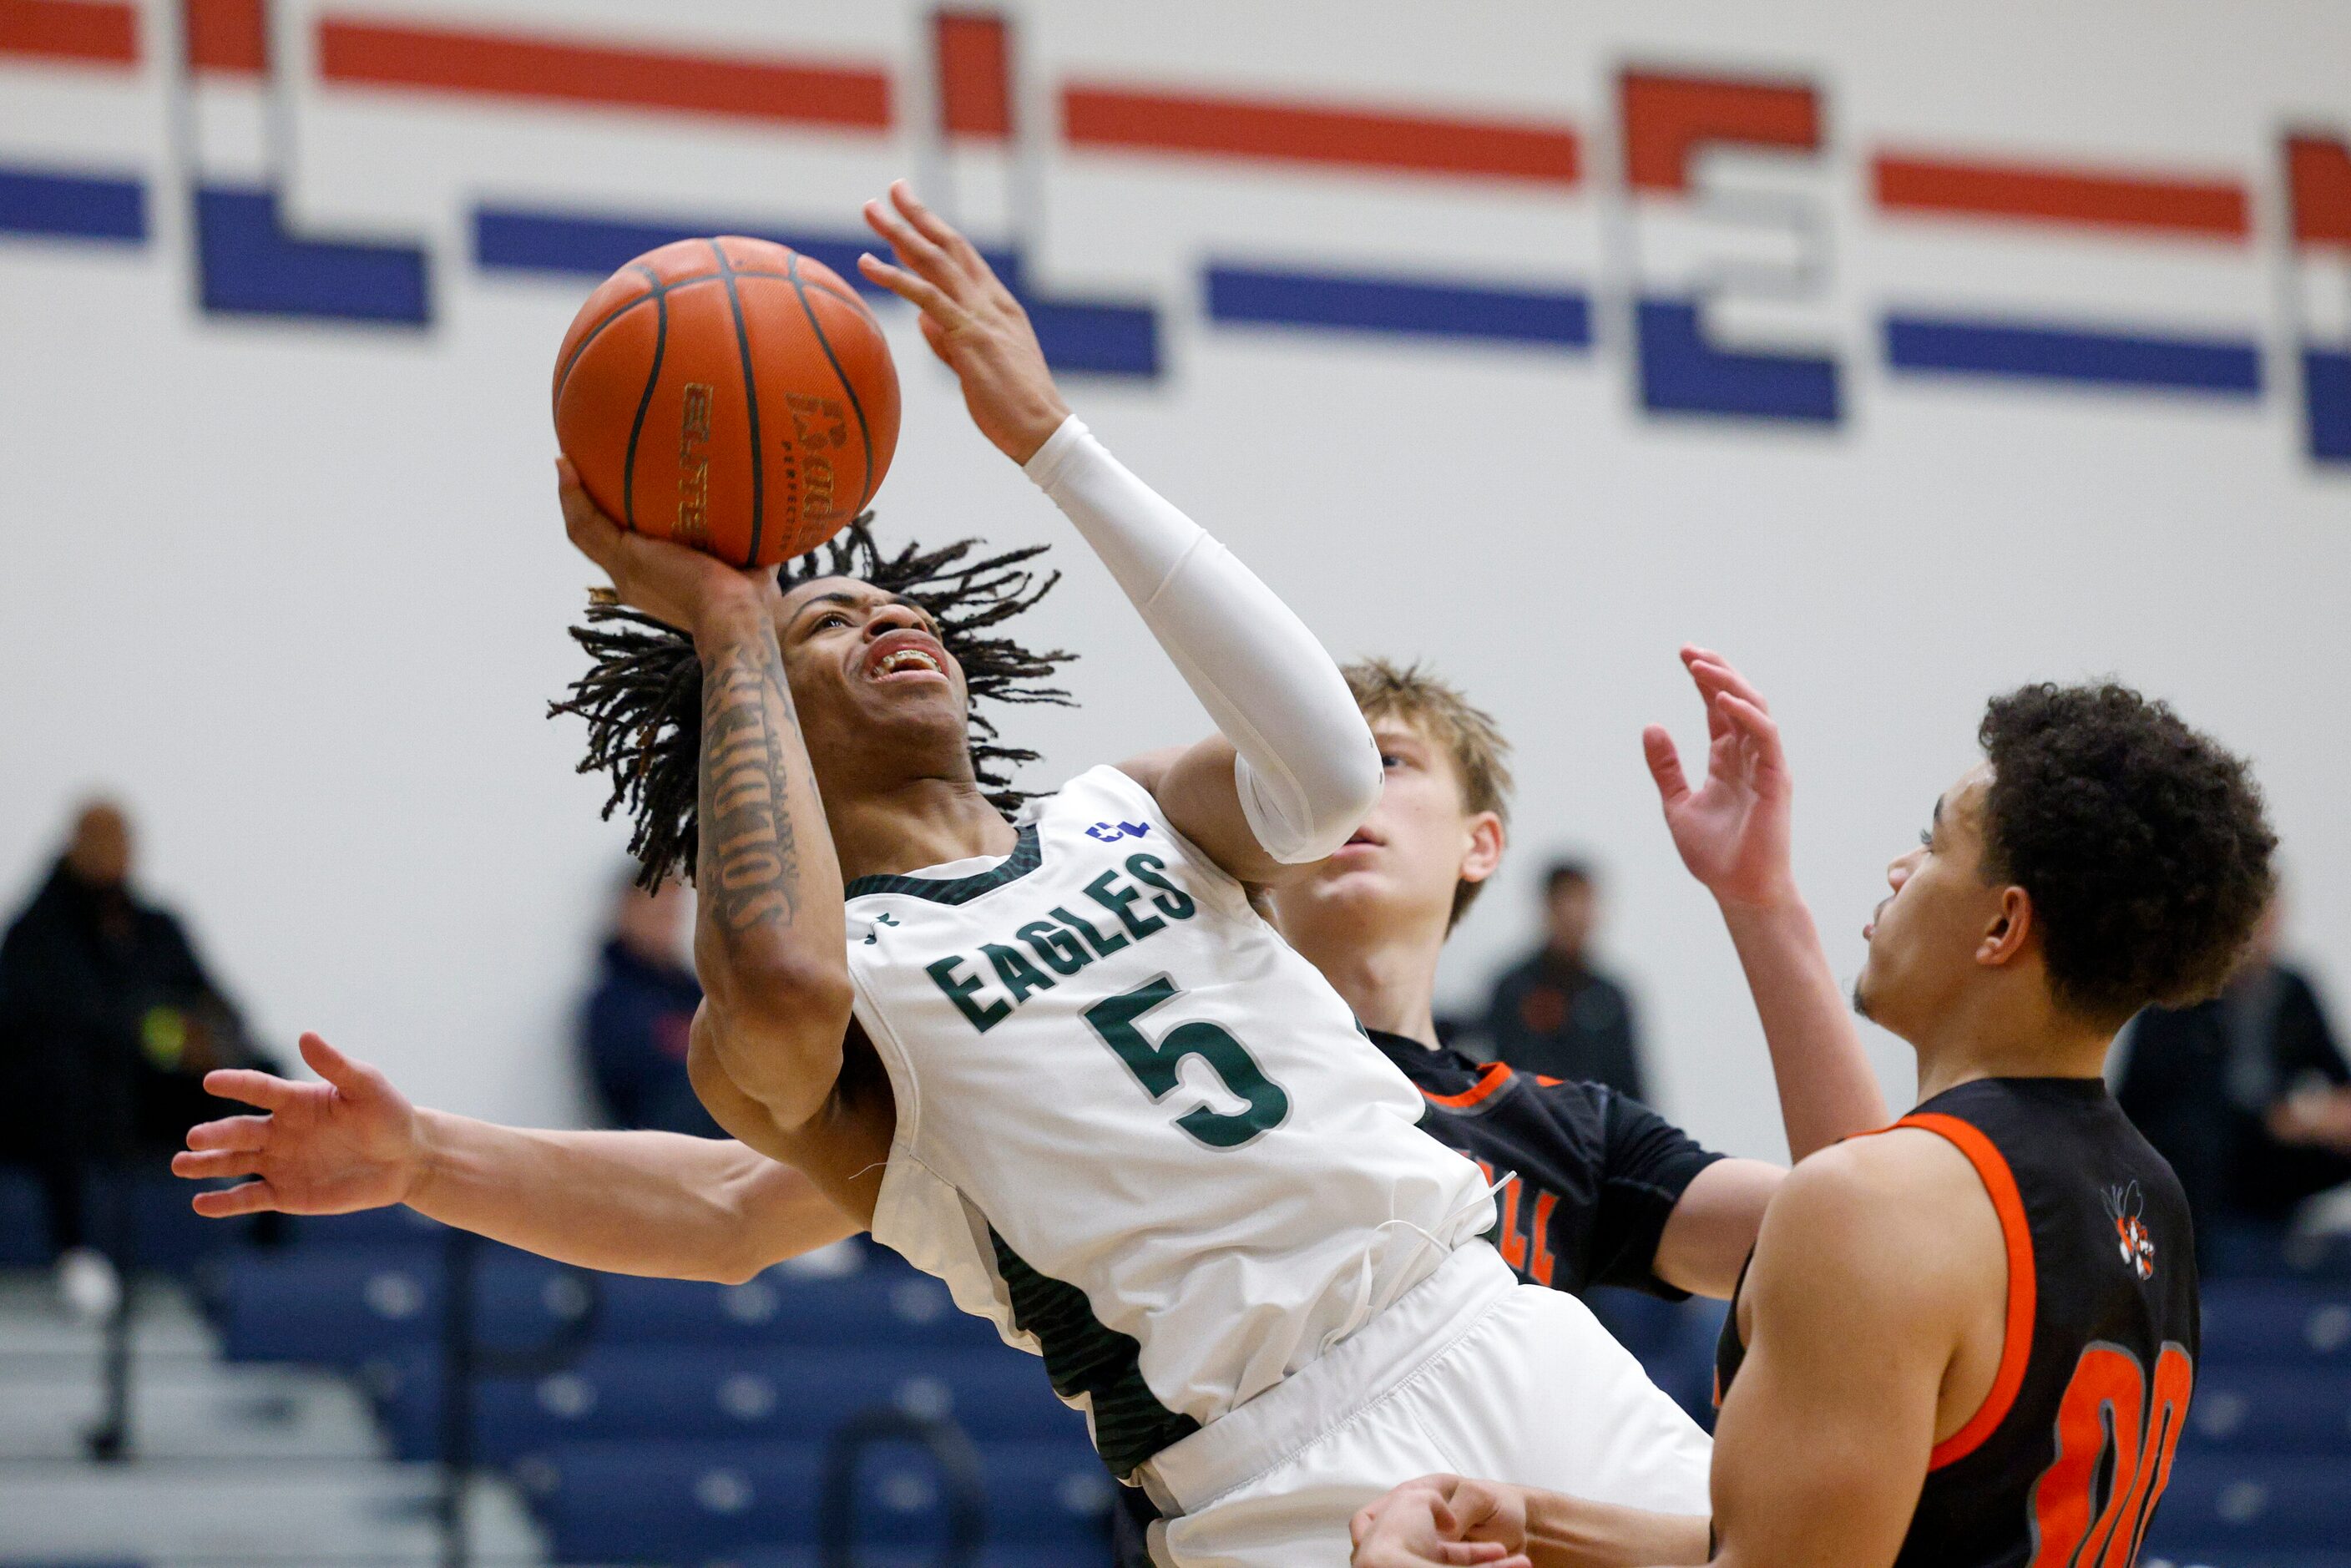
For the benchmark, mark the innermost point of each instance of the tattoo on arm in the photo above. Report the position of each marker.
(751, 865)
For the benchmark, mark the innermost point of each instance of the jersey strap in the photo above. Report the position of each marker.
(2016, 1345)
(1026, 857)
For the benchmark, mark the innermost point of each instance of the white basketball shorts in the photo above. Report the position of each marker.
(1470, 1373)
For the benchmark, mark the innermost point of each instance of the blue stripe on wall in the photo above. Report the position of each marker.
(594, 245)
(1083, 336)
(1683, 372)
(74, 207)
(2326, 393)
(2045, 352)
(1257, 296)
(250, 265)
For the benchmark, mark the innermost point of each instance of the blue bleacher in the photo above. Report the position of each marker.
(2263, 1479)
(698, 1501)
(686, 1393)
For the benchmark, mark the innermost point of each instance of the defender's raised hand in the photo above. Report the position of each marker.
(1732, 830)
(349, 1143)
(970, 320)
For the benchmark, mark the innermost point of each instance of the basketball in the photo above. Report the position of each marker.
(729, 394)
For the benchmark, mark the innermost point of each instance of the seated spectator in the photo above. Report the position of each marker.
(108, 1024)
(2246, 1095)
(1556, 1015)
(633, 1030)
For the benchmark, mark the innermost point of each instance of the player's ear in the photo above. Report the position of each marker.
(1488, 838)
(2010, 930)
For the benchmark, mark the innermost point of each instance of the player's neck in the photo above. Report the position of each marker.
(917, 824)
(1386, 973)
(2007, 1036)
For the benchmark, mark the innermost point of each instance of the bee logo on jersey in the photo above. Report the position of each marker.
(2127, 1206)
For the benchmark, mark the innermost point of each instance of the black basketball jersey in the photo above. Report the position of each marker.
(2063, 1464)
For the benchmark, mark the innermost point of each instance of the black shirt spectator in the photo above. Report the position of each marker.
(108, 1023)
(2244, 1094)
(1554, 1014)
(634, 1029)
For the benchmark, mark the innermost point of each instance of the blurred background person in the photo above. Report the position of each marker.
(2246, 1095)
(634, 1028)
(1555, 1013)
(109, 1021)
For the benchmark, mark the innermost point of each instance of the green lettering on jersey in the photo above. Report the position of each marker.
(1103, 945)
(959, 992)
(1103, 891)
(1173, 901)
(1020, 976)
(1055, 946)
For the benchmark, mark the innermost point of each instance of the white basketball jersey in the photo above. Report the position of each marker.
(1136, 1129)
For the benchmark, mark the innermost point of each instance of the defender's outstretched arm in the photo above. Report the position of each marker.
(768, 933)
(1733, 834)
(1293, 769)
(630, 1203)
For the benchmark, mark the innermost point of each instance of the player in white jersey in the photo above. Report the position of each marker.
(1063, 1065)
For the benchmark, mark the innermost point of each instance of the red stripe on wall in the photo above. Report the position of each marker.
(1668, 118)
(506, 65)
(87, 30)
(2318, 171)
(974, 75)
(1362, 139)
(2140, 203)
(230, 35)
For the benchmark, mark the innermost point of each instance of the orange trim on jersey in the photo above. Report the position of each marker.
(1495, 1076)
(2016, 1347)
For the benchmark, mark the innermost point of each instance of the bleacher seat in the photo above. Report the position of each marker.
(680, 1393)
(2248, 1407)
(347, 1305)
(635, 1502)
(2217, 1505)
(24, 1220)
(2277, 1320)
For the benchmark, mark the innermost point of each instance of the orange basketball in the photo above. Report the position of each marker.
(730, 394)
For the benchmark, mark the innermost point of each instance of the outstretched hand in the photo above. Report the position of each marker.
(1422, 1524)
(1732, 830)
(349, 1143)
(970, 320)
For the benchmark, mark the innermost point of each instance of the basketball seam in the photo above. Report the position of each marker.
(865, 434)
(644, 403)
(662, 287)
(751, 400)
(564, 379)
(656, 292)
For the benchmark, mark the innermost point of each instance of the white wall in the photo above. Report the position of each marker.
(298, 590)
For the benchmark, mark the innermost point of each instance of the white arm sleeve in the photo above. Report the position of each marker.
(1308, 771)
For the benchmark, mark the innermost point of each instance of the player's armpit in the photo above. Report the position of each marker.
(1196, 786)
(839, 1152)
(1714, 1225)
(1866, 1280)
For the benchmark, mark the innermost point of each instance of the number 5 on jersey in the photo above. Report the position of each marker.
(1114, 1019)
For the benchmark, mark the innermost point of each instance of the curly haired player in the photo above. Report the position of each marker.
(1061, 1062)
(1971, 1340)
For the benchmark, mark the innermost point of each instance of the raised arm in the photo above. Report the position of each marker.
(1733, 835)
(768, 941)
(1292, 770)
(629, 1203)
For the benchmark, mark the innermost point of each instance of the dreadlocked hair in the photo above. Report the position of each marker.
(643, 697)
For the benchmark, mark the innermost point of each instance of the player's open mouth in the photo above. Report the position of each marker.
(905, 656)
